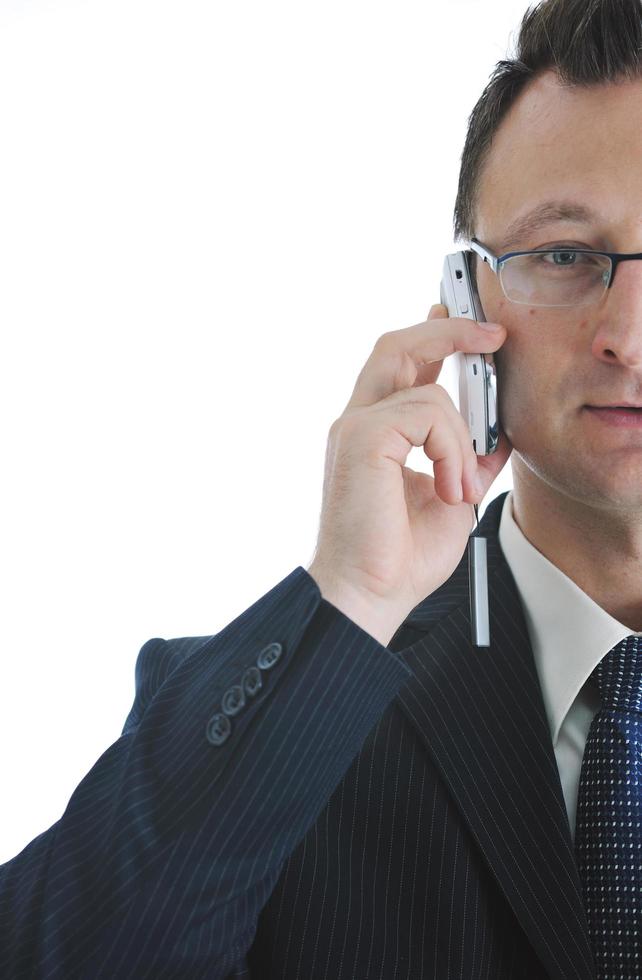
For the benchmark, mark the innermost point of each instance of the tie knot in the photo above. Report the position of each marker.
(619, 675)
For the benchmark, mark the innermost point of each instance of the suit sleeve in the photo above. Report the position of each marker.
(172, 843)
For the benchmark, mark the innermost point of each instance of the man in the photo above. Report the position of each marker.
(338, 784)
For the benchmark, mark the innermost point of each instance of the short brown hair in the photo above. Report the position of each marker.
(585, 41)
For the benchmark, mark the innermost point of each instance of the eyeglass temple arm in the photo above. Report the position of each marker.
(483, 252)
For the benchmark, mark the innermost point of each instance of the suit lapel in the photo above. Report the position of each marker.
(481, 715)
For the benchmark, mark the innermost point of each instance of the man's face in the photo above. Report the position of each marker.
(583, 147)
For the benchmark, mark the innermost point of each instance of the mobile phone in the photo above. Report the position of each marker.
(477, 376)
(478, 405)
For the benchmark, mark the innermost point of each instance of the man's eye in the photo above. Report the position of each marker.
(565, 257)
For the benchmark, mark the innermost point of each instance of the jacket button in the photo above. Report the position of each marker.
(269, 656)
(233, 700)
(219, 728)
(252, 681)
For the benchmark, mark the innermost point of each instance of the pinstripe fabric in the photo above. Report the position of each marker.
(375, 813)
(170, 846)
(446, 851)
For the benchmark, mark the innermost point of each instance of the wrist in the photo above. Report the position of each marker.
(370, 613)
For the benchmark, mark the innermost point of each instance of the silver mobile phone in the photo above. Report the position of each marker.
(477, 377)
(478, 405)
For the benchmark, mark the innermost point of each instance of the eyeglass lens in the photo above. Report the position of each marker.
(556, 278)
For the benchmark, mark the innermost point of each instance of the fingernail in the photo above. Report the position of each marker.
(489, 326)
(479, 486)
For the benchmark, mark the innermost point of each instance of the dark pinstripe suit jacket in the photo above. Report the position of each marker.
(373, 813)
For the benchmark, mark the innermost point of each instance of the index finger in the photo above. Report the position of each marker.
(414, 355)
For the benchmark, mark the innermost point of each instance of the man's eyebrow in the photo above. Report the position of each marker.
(542, 215)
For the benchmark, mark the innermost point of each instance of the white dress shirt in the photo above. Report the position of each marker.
(569, 634)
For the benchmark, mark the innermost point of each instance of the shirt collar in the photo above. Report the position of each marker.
(569, 632)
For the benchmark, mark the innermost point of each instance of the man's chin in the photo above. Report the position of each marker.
(612, 491)
(607, 482)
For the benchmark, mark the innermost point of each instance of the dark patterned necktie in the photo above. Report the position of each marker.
(608, 830)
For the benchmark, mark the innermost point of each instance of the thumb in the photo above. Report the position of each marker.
(489, 467)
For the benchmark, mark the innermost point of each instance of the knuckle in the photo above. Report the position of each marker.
(338, 428)
(336, 436)
(404, 371)
(384, 342)
(432, 414)
(439, 392)
(438, 395)
(345, 425)
(408, 406)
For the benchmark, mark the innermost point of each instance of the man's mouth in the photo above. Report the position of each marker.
(617, 414)
(620, 406)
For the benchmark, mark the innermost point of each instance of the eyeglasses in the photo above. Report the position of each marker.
(554, 277)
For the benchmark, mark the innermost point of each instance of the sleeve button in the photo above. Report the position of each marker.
(219, 728)
(233, 700)
(269, 656)
(252, 681)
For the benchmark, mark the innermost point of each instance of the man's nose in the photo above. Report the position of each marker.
(619, 333)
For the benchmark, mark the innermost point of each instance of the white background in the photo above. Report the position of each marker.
(209, 211)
